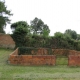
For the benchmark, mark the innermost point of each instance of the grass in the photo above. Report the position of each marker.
(14, 72)
(61, 60)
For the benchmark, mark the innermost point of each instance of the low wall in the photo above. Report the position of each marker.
(65, 52)
(48, 51)
(74, 60)
(41, 57)
(14, 58)
(14, 52)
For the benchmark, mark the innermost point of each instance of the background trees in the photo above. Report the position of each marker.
(71, 33)
(30, 35)
(39, 28)
(4, 16)
(37, 35)
(58, 35)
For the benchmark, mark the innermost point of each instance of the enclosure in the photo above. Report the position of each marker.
(44, 56)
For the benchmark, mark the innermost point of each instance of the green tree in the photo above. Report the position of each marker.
(24, 24)
(58, 35)
(78, 36)
(4, 16)
(20, 32)
(19, 23)
(19, 36)
(38, 27)
(45, 31)
(71, 33)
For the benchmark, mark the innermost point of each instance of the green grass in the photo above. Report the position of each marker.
(14, 72)
(61, 60)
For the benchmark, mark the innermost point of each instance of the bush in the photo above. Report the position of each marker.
(25, 51)
(28, 51)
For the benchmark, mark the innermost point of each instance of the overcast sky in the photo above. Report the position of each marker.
(59, 15)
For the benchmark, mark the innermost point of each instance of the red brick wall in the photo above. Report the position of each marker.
(31, 59)
(6, 41)
(41, 58)
(40, 51)
(74, 60)
(60, 51)
(66, 52)
(15, 52)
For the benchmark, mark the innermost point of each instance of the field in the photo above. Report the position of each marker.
(14, 72)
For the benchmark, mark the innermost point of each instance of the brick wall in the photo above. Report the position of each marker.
(40, 51)
(6, 41)
(42, 58)
(65, 52)
(74, 60)
(59, 52)
(14, 52)
(31, 59)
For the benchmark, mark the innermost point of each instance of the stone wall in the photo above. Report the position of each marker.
(16, 59)
(6, 41)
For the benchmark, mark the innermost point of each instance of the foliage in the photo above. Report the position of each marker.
(19, 36)
(21, 30)
(38, 41)
(71, 33)
(45, 31)
(51, 42)
(38, 27)
(25, 50)
(77, 45)
(23, 36)
(28, 51)
(78, 36)
(4, 16)
(50, 51)
(20, 23)
(58, 35)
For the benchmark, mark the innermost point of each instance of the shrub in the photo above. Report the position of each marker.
(25, 50)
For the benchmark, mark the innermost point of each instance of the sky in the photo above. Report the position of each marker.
(59, 15)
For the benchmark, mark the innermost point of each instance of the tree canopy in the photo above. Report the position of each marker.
(19, 23)
(38, 27)
(4, 16)
(58, 35)
(20, 31)
(71, 33)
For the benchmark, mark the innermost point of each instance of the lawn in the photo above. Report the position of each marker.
(14, 72)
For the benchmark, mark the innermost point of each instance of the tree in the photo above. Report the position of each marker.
(4, 16)
(78, 36)
(19, 23)
(38, 27)
(58, 35)
(21, 30)
(19, 36)
(71, 33)
(24, 24)
(45, 31)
